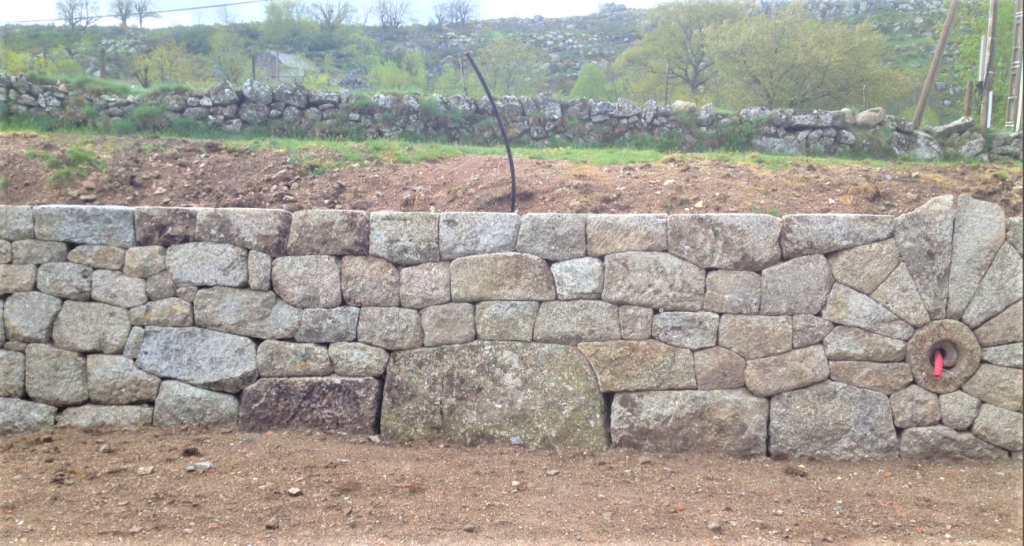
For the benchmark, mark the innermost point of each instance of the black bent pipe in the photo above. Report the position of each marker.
(501, 127)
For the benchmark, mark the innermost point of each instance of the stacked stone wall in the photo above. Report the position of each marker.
(745, 334)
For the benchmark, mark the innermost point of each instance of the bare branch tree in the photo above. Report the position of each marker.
(391, 13)
(330, 15)
(144, 9)
(440, 17)
(123, 10)
(461, 11)
(226, 17)
(78, 13)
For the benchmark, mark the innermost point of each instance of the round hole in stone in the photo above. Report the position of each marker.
(948, 351)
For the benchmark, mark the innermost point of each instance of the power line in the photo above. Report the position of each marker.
(148, 13)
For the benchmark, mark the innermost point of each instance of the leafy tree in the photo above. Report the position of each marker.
(972, 24)
(511, 67)
(793, 61)
(287, 26)
(167, 63)
(227, 58)
(408, 73)
(453, 81)
(591, 84)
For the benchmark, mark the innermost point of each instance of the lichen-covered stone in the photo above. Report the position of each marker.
(925, 239)
(914, 407)
(579, 279)
(165, 226)
(612, 233)
(114, 380)
(884, 377)
(208, 264)
(506, 276)
(55, 377)
(106, 416)
(282, 359)
(1000, 427)
(945, 443)
(719, 369)
(653, 279)
(181, 404)
(804, 234)
(809, 330)
(144, 261)
(118, 289)
(732, 422)
(160, 286)
(134, 342)
(425, 285)
(5, 252)
(848, 307)
(337, 404)
(405, 238)
(755, 336)
(470, 233)
(958, 409)
(448, 324)
(640, 366)
(12, 374)
(796, 369)
(328, 325)
(200, 357)
(90, 327)
(165, 312)
(1006, 327)
(979, 230)
(65, 280)
(17, 278)
(261, 271)
(797, 286)
(31, 251)
(865, 267)
(636, 323)
(1002, 285)
(29, 316)
(308, 281)
(733, 292)
(687, 330)
(264, 230)
(572, 322)
(555, 237)
(1003, 387)
(899, 294)
(390, 328)
(369, 281)
(846, 343)
(358, 360)
(506, 320)
(21, 416)
(98, 257)
(1008, 356)
(922, 346)
(748, 242)
(246, 313)
(329, 232)
(89, 225)
(16, 223)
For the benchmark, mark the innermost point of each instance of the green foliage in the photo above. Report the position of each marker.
(90, 84)
(511, 67)
(287, 27)
(965, 39)
(452, 81)
(592, 84)
(45, 67)
(227, 59)
(168, 63)
(147, 119)
(429, 107)
(387, 76)
(69, 166)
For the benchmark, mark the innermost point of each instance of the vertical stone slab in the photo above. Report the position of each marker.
(16, 223)
(979, 230)
(1002, 285)
(925, 238)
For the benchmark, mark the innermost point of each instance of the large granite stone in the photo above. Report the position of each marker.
(448, 324)
(118, 289)
(5, 252)
(12, 374)
(264, 230)
(797, 286)
(358, 360)
(65, 280)
(733, 292)
(687, 330)
(846, 343)
(246, 313)
(1003, 387)
(180, 404)
(282, 359)
(719, 369)
(572, 322)
(865, 267)
(979, 230)
(328, 325)
(200, 357)
(1002, 285)
(390, 328)
(16, 222)
(653, 279)
(848, 307)
(640, 366)
(635, 322)
(462, 393)
(114, 380)
(470, 233)
(612, 233)
(1005, 328)
(55, 377)
(1007, 356)
(796, 369)
(308, 281)
(946, 443)
(809, 330)
(261, 267)
(1000, 427)
(17, 278)
(804, 234)
(962, 355)
(21, 416)
(555, 237)
(106, 416)
(884, 377)
(731, 422)
(958, 409)
(144, 261)
(29, 316)
(755, 336)
(925, 238)
(369, 281)
(90, 225)
(208, 264)
(329, 232)
(899, 294)
(579, 279)
(165, 226)
(98, 256)
(914, 407)
(166, 312)
(35, 252)
(337, 404)
(832, 421)
(425, 285)
(505, 276)
(405, 238)
(506, 320)
(88, 327)
(748, 242)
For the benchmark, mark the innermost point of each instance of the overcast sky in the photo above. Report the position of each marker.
(18, 10)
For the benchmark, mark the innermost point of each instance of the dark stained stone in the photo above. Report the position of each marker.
(337, 404)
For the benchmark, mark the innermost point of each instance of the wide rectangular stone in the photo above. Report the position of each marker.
(470, 233)
(31, 251)
(17, 278)
(22, 416)
(687, 330)
(554, 237)
(640, 366)
(264, 230)
(328, 325)
(944, 443)
(208, 264)
(405, 238)
(733, 292)
(571, 322)
(93, 416)
(308, 281)
(804, 234)
(653, 279)
(506, 276)
(90, 327)
(16, 223)
(282, 359)
(358, 360)
(246, 313)
(165, 226)
(336, 404)
(425, 285)
(182, 404)
(748, 242)
(1009, 356)
(114, 380)
(90, 225)
(330, 232)
(796, 369)
(98, 256)
(847, 343)
(506, 320)
(390, 328)
(612, 233)
(755, 336)
(200, 357)
(996, 385)
(29, 316)
(884, 377)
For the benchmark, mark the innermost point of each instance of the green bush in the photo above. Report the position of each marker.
(429, 107)
(90, 84)
(148, 118)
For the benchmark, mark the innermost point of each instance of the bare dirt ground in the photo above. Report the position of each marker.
(86, 487)
(178, 172)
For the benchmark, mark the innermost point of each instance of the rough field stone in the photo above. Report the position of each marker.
(719, 369)
(106, 416)
(88, 225)
(958, 409)
(390, 328)
(118, 289)
(21, 416)
(748, 242)
(796, 369)
(470, 233)
(98, 257)
(925, 238)
(29, 316)
(329, 232)
(165, 226)
(506, 276)
(731, 422)
(733, 292)
(448, 324)
(208, 264)
(462, 393)
(846, 343)
(804, 234)
(979, 230)
(328, 325)
(832, 421)
(848, 307)
(1008, 356)
(1000, 427)
(797, 286)
(405, 238)
(884, 377)
(338, 404)
(809, 330)
(653, 279)
(358, 360)
(865, 267)
(687, 330)
(200, 357)
(955, 373)
(572, 322)
(65, 280)
(914, 407)
(246, 313)
(1005, 328)
(308, 281)
(640, 366)
(89, 327)
(264, 230)
(160, 286)
(35, 252)
(555, 237)
(612, 233)
(579, 279)
(17, 278)
(282, 359)
(260, 268)
(114, 380)
(16, 223)
(506, 320)
(12, 374)
(182, 404)
(1002, 285)
(144, 261)
(5, 252)
(55, 377)
(899, 294)
(1003, 387)
(636, 323)
(1015, 233)
(134, 342)
(425, 285)
(945, 443)
(755, 336)
(369, 281)
(166, 312)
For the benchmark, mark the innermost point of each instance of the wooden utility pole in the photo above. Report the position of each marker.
(989, 75)
(1013, 98)
(922, 102)
(967, 99)
(666, 82)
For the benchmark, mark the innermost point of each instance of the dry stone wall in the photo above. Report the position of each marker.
(744, 334)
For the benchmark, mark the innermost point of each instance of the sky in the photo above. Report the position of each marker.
(15, 10)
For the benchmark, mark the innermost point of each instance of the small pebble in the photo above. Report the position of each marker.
(105, 448)
(469, 528)
(144, 470)
(295, 492)
(272, 524)
(715, 526)
(553, 472)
